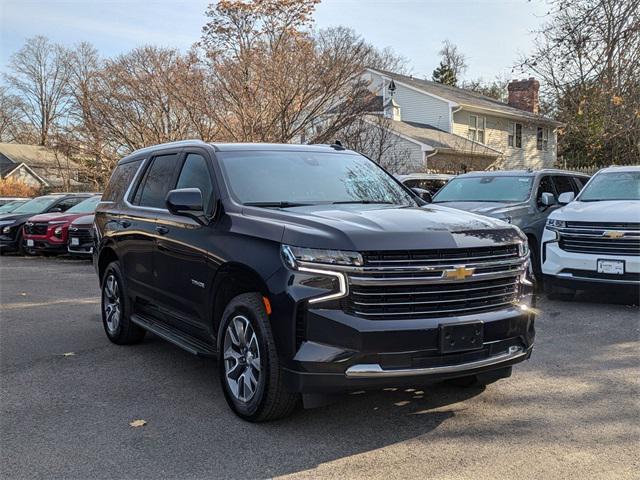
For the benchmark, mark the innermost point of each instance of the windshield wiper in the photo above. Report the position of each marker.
(362, 201)
(276, 204)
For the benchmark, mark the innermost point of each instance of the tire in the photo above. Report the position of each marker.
(247, 356)
(21, 250)
(116, 309)
(535, 261)
(481, 379)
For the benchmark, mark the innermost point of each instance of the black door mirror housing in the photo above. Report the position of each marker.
(423, 194)
(186, 202)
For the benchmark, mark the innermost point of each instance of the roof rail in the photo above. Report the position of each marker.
(179, 143)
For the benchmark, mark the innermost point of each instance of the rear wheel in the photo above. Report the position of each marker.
(250, 371)
(115, 309)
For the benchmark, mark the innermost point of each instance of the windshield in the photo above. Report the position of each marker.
(86, 206)
(11, 206)
(612, 186)
(37, 205)
(288, 179)
(485, 189)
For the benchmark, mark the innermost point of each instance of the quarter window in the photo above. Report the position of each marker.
(195, 174)
(120, 180)
(477, 127)
(515, 136)
(156, 183)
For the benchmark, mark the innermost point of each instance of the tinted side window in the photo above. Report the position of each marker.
(195, 174)
(120, 179)
(67, 203)
(564, 184)
(580, 182)
(157, 181)
(546, 185)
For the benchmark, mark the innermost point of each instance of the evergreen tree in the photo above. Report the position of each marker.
(445, 74)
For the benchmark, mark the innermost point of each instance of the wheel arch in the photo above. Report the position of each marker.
(107, 255)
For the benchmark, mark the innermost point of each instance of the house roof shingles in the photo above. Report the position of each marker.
(465, 98)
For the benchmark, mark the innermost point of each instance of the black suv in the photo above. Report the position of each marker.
(306, 270)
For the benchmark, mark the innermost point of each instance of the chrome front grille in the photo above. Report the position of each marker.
(415, 284)
(600, 238)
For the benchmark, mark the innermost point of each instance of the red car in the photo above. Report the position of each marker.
(48, 232)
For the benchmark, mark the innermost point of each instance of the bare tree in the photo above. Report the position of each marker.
(452, 64)
(588, 58)
(39, 75)
(11, 126)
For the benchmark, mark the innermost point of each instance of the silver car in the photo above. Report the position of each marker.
(521, 197)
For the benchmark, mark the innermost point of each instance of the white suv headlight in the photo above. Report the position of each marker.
(556, 223)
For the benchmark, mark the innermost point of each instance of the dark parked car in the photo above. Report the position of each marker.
(80, 234)
(11, 232)
(49, 232)
(306, 270)
(521, 197)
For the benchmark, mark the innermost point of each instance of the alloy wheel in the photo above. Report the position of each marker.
(111, 303)
(241, 358)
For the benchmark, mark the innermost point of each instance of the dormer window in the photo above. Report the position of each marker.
(477, 127)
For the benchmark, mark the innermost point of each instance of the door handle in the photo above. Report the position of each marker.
(162, 230)
(124, 223)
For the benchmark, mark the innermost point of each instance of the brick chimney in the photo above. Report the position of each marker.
(523, 94)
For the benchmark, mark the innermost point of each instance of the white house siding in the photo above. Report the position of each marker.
(415, 106)
(497, 137)
(404, 157)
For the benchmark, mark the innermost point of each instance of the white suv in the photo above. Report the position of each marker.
(595, 239)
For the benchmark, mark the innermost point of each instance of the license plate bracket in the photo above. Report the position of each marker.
(611, 267)
(459, 337)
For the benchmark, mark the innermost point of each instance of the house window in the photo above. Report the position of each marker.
(515, 137)
(477, 127)
(542, 139)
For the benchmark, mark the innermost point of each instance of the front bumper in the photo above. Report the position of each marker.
(42, 244)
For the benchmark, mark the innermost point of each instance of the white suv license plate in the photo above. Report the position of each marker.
(612, 267)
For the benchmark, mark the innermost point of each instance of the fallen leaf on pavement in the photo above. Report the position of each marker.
(68, 354)
(138, 423)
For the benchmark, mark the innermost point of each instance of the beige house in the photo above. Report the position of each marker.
(39, 167)
(449, 129)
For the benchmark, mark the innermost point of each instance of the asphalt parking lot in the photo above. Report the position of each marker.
(68, 395)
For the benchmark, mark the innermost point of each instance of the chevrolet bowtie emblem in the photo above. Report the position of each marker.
(458, 273)
(613, 234)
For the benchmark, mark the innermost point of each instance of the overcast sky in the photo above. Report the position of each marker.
(491, 33)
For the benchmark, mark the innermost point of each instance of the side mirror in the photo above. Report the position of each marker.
(548, 199)
(423, 194)
(55, 210)
(186, 202)
(566, 197)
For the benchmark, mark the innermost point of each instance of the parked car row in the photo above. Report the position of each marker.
(50, 224)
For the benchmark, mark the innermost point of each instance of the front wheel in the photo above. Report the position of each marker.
(250, 371)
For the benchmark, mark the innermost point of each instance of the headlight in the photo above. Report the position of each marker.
(58, 231)
(318, 262)
(523, 248)
(556, 223)
(6, 229)
(294, 255)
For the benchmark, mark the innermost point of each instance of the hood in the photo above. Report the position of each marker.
(83, 221)
(15, 217)
(55, 217)
(622, 211)
(375, 227)
(491, 209)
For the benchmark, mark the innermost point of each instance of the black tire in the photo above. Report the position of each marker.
(481, 379)
(270, 400)
(126, 332)
(20, 242)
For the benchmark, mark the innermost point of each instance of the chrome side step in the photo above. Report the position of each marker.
(374, 370)
(181, 339)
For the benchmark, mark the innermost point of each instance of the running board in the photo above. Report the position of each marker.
(181, 339)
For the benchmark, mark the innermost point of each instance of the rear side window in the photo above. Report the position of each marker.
(120, 180)
(157, 181)
(195, 174)
(67, 203)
